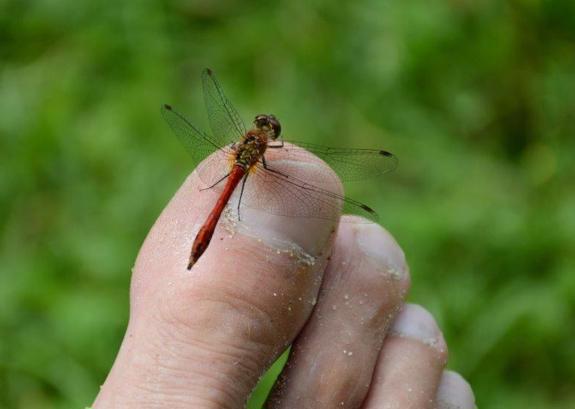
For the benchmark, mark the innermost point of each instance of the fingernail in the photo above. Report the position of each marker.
(454, 392)
(379, 245)
(417, 323)
(284, 215)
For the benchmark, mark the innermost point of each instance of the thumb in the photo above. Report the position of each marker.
(202, 338)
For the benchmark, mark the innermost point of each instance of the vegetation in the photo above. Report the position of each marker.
(475, 98)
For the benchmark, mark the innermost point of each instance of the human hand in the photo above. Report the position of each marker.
(202, 338)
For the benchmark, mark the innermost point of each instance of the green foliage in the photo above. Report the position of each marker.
(476, 99)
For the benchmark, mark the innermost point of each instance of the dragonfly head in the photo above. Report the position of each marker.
(270, 124)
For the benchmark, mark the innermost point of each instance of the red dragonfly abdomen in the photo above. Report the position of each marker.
(207, 230)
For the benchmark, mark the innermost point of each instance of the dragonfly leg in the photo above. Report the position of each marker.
(241, 194)
(217, 183)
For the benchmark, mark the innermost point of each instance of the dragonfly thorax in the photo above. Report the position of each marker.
(253, 146)
(249, 151)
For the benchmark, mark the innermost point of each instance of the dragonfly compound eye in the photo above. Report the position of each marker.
(268, 122)
(261, 120)
(276, 126)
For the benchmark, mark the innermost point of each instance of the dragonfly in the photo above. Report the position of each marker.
(243, 155)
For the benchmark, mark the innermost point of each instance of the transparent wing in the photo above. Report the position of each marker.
(278, 189)
(227, 125)
(197, 143)
(308, 198)
(351, 165)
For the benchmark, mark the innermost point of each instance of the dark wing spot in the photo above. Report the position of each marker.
(385, 153)
(168, 107)
(367, 208)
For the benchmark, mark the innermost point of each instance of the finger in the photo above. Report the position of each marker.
(454, 392)
(332, 360)
(204, 337)
(410, 364)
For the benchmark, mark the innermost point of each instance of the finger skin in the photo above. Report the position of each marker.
(332, 360)
(410, 363)
(202, 338)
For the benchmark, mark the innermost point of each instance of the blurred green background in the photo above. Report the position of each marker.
(476, 98)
